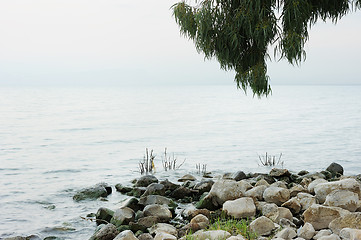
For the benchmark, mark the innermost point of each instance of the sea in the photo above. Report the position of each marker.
(55, 141)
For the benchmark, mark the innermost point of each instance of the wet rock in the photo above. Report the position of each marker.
(240, 208)
(137, 191)
(132, 203)
(156, 199)
(240, 175)
(163, 228)
(256, 192)
(293, 204)
(126, 235)
(335, 169)
(146, 180)
(160, 211)
(122, 189)
(321, 216)
(99, 190)
(211, 235)
(352, 220)
(344, 199)
(181, 192)
(169, 186)
(276, 195)
(106, 232)
(307, 231)
(123, 216)
(154, 189)
(303, 172)
(262, 226)
(187, 177)
(323, 189)
(104, 215)
(204, 186)
(277, 172)
(286, 233)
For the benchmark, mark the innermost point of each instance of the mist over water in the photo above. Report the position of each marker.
(55, 141)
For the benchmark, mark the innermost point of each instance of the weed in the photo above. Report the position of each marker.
(147, 165)
(170, 163)
(267, 160)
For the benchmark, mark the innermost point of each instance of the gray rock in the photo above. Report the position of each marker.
(99, 190)
(204, 186)
(147, 222)
(270, 210)
(164, 236)
(187, 177)
(160, 211)
(278, 172)
(352, 220)
(169, 186)
(211, 235)
(344, 199)
(240, 208)
(146, 180)
(307, 231)
(104, 215)
(276, 195)
(156, 199)
(314, 183)
(106, 232)
(240, 175)
(322, 233)
(284, 213)
(256, 192)
(306, 200)
(199, 222)
(280, 184)
(321, 216)
(262, 226)
(330, 237)
(126, 235)
(335, 169)
(293, 204)
(350, 234)
(132, 203)
(296, 189)
(154, 189)
(286, 233)
(145, 236)
(181, 192)
(123, 216)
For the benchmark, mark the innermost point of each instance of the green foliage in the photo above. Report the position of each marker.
(238, 33)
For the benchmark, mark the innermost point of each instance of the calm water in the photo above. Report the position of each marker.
(54, 141)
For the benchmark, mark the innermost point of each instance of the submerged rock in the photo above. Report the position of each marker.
(99, 190)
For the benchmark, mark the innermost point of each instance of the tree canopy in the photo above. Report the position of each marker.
(239, 33)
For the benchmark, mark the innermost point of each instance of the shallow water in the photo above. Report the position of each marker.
(54, 141)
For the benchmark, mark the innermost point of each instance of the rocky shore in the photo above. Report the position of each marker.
(279, 205)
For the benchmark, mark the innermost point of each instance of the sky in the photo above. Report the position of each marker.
(123, 42)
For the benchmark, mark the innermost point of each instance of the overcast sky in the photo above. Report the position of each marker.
(107, 42)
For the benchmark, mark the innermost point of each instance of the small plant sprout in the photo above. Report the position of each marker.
(270, 161)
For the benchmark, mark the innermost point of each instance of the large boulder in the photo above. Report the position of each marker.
(160, 211)
(262, 226)
(352, 220)
(277, 195)
(323, 189)
(240, 208)
(321, 216)
(344, 199)
(99, 190)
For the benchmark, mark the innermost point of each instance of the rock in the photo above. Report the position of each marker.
(160, 211)
(322, 233)
(323, 189)
(156, 199)
(314, 183)
(350, 234)
(146, 180)
(132, 203)
(103, 215)
(335, 169)
(303, 172)
(283, 222)
(190, 212)
(286, 233)
(238, 237)
(163, 228)
(330, 237)
(145, 236)
(126, 235)
(256, 192)
(277, 172)
(204, 186)
(223, 190)
(284, 213)
(240, 175)
(199, 222)
(352, 220)
(240, 208)
(154, 189)
(306, 200)
(164, 236)
(147, 222)
(293, 204)
(276, 195)
(261, 182)
(321, 216)
(270, 210)
(122, 189)
(307, 231)
(181, 192)
(262, 226)
(123, 216)
(296, 189)
(99, 190)
(280, 184)
(169, 186)
(344, 199)
(106, 232)
(211, 235)
(187, 177)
